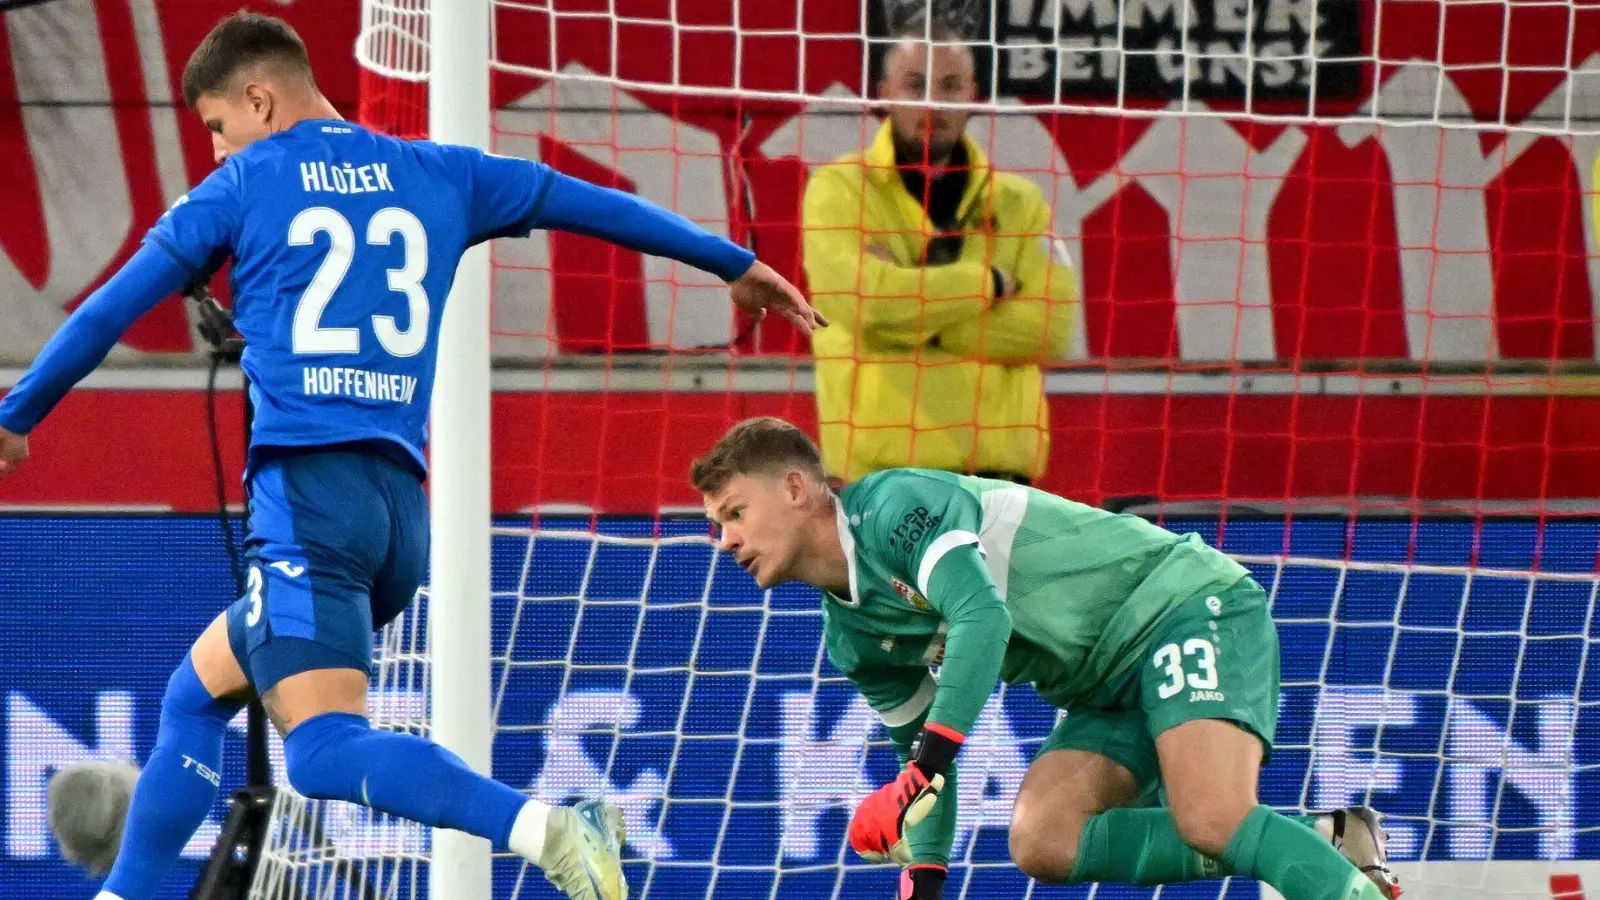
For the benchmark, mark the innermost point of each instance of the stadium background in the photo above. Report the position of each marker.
(93, 147)
(91, 685)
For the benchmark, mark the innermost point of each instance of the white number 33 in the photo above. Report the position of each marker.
(1204, 674)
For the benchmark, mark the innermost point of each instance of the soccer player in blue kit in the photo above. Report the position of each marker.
(344, 246)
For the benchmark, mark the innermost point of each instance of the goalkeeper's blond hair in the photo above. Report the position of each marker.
(756, 446)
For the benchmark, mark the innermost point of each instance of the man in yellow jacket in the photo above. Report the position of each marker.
(943, 284)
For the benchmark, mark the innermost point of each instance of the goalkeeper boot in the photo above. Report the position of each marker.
(583, 851)
(1357, 832)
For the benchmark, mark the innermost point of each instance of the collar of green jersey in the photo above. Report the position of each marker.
(847, 542)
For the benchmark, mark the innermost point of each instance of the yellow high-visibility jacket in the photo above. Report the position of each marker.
(922, 366)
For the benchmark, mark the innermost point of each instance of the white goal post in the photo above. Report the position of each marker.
(458, 620)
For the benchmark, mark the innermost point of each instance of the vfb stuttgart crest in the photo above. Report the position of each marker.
(909, 594)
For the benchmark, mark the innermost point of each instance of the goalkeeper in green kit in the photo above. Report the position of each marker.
(1161, 647)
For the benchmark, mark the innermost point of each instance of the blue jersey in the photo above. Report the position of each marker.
(344, 245)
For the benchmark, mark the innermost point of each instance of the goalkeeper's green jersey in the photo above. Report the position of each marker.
(993, 581)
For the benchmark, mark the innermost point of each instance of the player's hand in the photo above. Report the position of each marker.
(877, 830)
(13, 450)
(921, 882)
(1008, 284)
(760, 289)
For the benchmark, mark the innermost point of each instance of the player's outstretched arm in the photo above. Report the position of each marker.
(573, 205)
(82, 343)
(961, 589)
(931, 839)
(975, 645)
(900, 695)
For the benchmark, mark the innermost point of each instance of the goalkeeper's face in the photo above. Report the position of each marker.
(763, 519)
(911, 72)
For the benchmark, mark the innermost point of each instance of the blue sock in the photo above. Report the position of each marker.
(338, 756)
(176, 788)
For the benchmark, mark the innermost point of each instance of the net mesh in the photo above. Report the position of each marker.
(1277, 183)
(316, 850)
(1338, 250)
(1333, 308)
(636, 664)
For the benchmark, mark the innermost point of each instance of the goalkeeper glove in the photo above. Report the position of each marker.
(877, 830)
(921, 882)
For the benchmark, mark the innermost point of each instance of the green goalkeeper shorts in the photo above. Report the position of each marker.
(1213, 656)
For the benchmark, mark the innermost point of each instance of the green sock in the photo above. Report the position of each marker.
(1295, 860)
(1148, 850)
(1139, 846)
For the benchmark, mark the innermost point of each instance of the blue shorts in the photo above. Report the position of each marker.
(338, 546)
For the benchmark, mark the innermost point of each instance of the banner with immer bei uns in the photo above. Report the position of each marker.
(1149, 50)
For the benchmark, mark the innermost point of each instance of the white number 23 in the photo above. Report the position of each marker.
(309, 336)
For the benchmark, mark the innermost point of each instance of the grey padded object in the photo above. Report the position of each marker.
(87, 804)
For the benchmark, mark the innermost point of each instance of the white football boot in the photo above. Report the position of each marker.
(1357, 832)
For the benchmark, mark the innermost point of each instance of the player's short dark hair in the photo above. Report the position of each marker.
(939, 28)
(240, 41)
(919, 27)
(759, 445)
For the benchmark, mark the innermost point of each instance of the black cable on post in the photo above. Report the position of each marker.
(230, 871)
(216, 327)
(233, 861)
(258, 765)
(224, 519)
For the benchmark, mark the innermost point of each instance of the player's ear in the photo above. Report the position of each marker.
(259, 101)
(796, 487)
